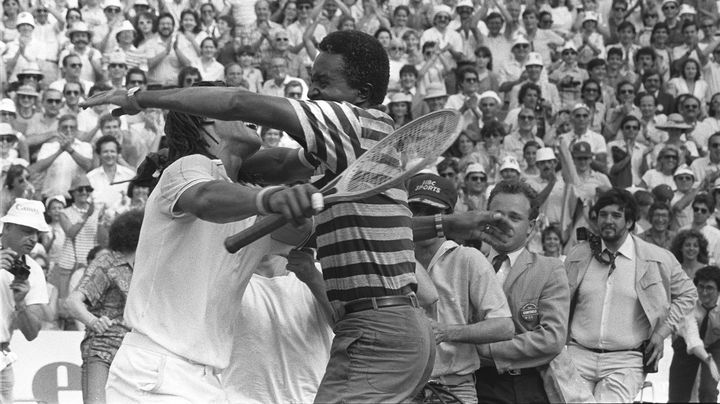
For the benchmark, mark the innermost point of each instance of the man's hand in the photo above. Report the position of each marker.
(490, 227)
(116, 97)
(440, 331)
(100, 324)
(301, 262)
(655, 348)
(20, 290)
(712, 366)
(7, 257)
(294, 203)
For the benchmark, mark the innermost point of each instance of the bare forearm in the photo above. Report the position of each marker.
(27, 320)
(482, 332)
(75, 307)
(228, 104)
(44, 164)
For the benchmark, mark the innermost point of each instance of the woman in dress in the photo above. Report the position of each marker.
(99, 302)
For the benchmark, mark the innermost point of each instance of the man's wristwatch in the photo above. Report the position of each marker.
(133, 99)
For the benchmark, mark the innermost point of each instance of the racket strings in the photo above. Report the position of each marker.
(416, 144)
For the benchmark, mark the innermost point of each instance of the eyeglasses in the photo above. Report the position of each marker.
(117, 65)
(113, 10)
(630, 91)
(42, 11)
(691, 106)
(522, 45)
(304, 7)
(569, 52)
(282, 39)
(8, 138)
(76, 65)
(471, 80)
(477, 178)
(395, 48)
(71, 92)
(700, 210)
(526, 117)
(84, 189)
(53, 100)
(67, 127)
(442, 18)
(7, 114)
(464, 10)
(670, 157)
(26, 97)
(707, 26)
(581, 115)
(631, 127)
(620, 9)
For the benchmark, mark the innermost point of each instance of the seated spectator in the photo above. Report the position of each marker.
(72, 67)
(580, 120)
(117, 68)
(90, 68)
(473, 196)
(234, 76)
(659, 232)
(552, 243)
(711, 163)
(210, 68)
(188, 76)
(109, 180)
(435, 97)
(279, 77)
(399, 109)
(703, 207)
(466, 100)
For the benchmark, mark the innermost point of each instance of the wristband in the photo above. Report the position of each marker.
(262, 198)
(439, 233)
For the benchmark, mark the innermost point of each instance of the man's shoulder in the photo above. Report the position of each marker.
(649, 251)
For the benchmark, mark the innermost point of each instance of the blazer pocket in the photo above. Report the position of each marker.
(649, 278)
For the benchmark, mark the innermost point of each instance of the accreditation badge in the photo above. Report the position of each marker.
(529, 312)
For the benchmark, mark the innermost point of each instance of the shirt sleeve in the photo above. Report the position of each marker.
(94, 282)
(37, 294)
(179, 177)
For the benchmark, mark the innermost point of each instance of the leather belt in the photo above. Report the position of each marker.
(510, 372)
(374, 303)
(598, 350)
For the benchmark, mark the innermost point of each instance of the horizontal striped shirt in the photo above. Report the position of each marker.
(365, 246)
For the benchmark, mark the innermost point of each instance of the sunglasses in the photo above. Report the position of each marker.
(477, 178)
(282, 39)
(428, 53)
(691, 106)
(69, 92)
(526, 117)
(84, 189)
(7, 114)
(117, 65)
(581, 115)
(707, 26)
(569, 52)
(522, 45)
(113, 10)
(669, 7)
(592, 90)
(68, 127)
(471, 80)
(76, 65)
(700, 210)
(53, 100)
(26, 97)
(442, 18)
(627, 91)
(8, 138)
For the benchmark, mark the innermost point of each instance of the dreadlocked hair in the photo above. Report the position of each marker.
(184, 135)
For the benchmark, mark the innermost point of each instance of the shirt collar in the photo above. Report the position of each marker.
(627, 249)
(512, 256)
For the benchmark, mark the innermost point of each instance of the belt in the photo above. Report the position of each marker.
(509, 372)
(598, 350)
(374, 303)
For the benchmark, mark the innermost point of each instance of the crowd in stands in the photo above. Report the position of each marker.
(572, 97)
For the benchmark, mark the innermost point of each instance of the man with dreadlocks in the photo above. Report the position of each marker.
(383, 349)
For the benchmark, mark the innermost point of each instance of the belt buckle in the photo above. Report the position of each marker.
(514, 372)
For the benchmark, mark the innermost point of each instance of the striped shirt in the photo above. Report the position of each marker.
(365, 246)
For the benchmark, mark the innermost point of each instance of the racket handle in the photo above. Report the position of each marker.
(262, 227)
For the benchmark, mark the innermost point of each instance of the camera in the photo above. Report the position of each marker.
(19, 269)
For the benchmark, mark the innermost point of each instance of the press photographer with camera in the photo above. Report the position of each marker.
(23, 291)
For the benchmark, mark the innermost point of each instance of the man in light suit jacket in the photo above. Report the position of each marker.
(537, 291)
(627, 297)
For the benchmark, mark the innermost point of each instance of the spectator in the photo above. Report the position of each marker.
(23, 51)
(580, 119)
(552, 243)
(529, 163)
(80, 36)
(703, 207)
(16, 185)
(72, 72)
(650, 135)
(62, 160)
(466, 100)
(568, 76)
(24, 292)
(54, 239)
(108, 180)
(99, 302)
(659, 233)
(473, 195)
(690, 81)
(400, 109)
(711, 163)
(626, 155)
(514, 143)
(188, 76)
(117, 70)
(43, 127)
(210, 68)
(690, 248)
(163, 61)
(667, 163)
(533, 73)
(279, 78)
(73, 93)
(435, 97)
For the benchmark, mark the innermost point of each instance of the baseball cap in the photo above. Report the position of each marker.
(474, 168)
(509, 163)
(684, 170)
(534, 59)
(545, 154)
(432, 190)
(581, 149)
(25, 18)
(716, 185)
(663, 193)
(569, 45)
(28, 213)
(590, 16)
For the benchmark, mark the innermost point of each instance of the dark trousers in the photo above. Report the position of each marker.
(683, 370)
(508, 389)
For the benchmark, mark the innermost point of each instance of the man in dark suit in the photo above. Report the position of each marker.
(537, 291)
(652, 83)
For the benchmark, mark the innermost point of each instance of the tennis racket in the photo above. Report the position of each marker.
(388, 163)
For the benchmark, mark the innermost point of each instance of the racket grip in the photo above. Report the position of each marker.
(264, 226)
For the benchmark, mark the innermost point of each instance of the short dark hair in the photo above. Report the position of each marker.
(688, 23)
(484, 50)
(648, 51)
(68, 56)
(517, 187)
(195, 15)
(186, 71)
(125, 231)
(106, 139)
(708, 273)
(135, 70)
(527, 87)
(706, 199)
(531, 143)
(679, 240)
(698, 74)
(629, 118)
(550, 230)
(623, 199)
(448, 163)
(366, 62)
(625, 25)
(658, 206)
(597, 62)
(492, 127)
(409, 69)
(615, 51)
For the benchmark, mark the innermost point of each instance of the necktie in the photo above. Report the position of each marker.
(498, 261)
(704, 323)
(611, 258)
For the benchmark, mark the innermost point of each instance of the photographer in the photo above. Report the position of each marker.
(23, 291)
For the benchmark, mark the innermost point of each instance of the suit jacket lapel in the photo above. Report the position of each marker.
(521, 264)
